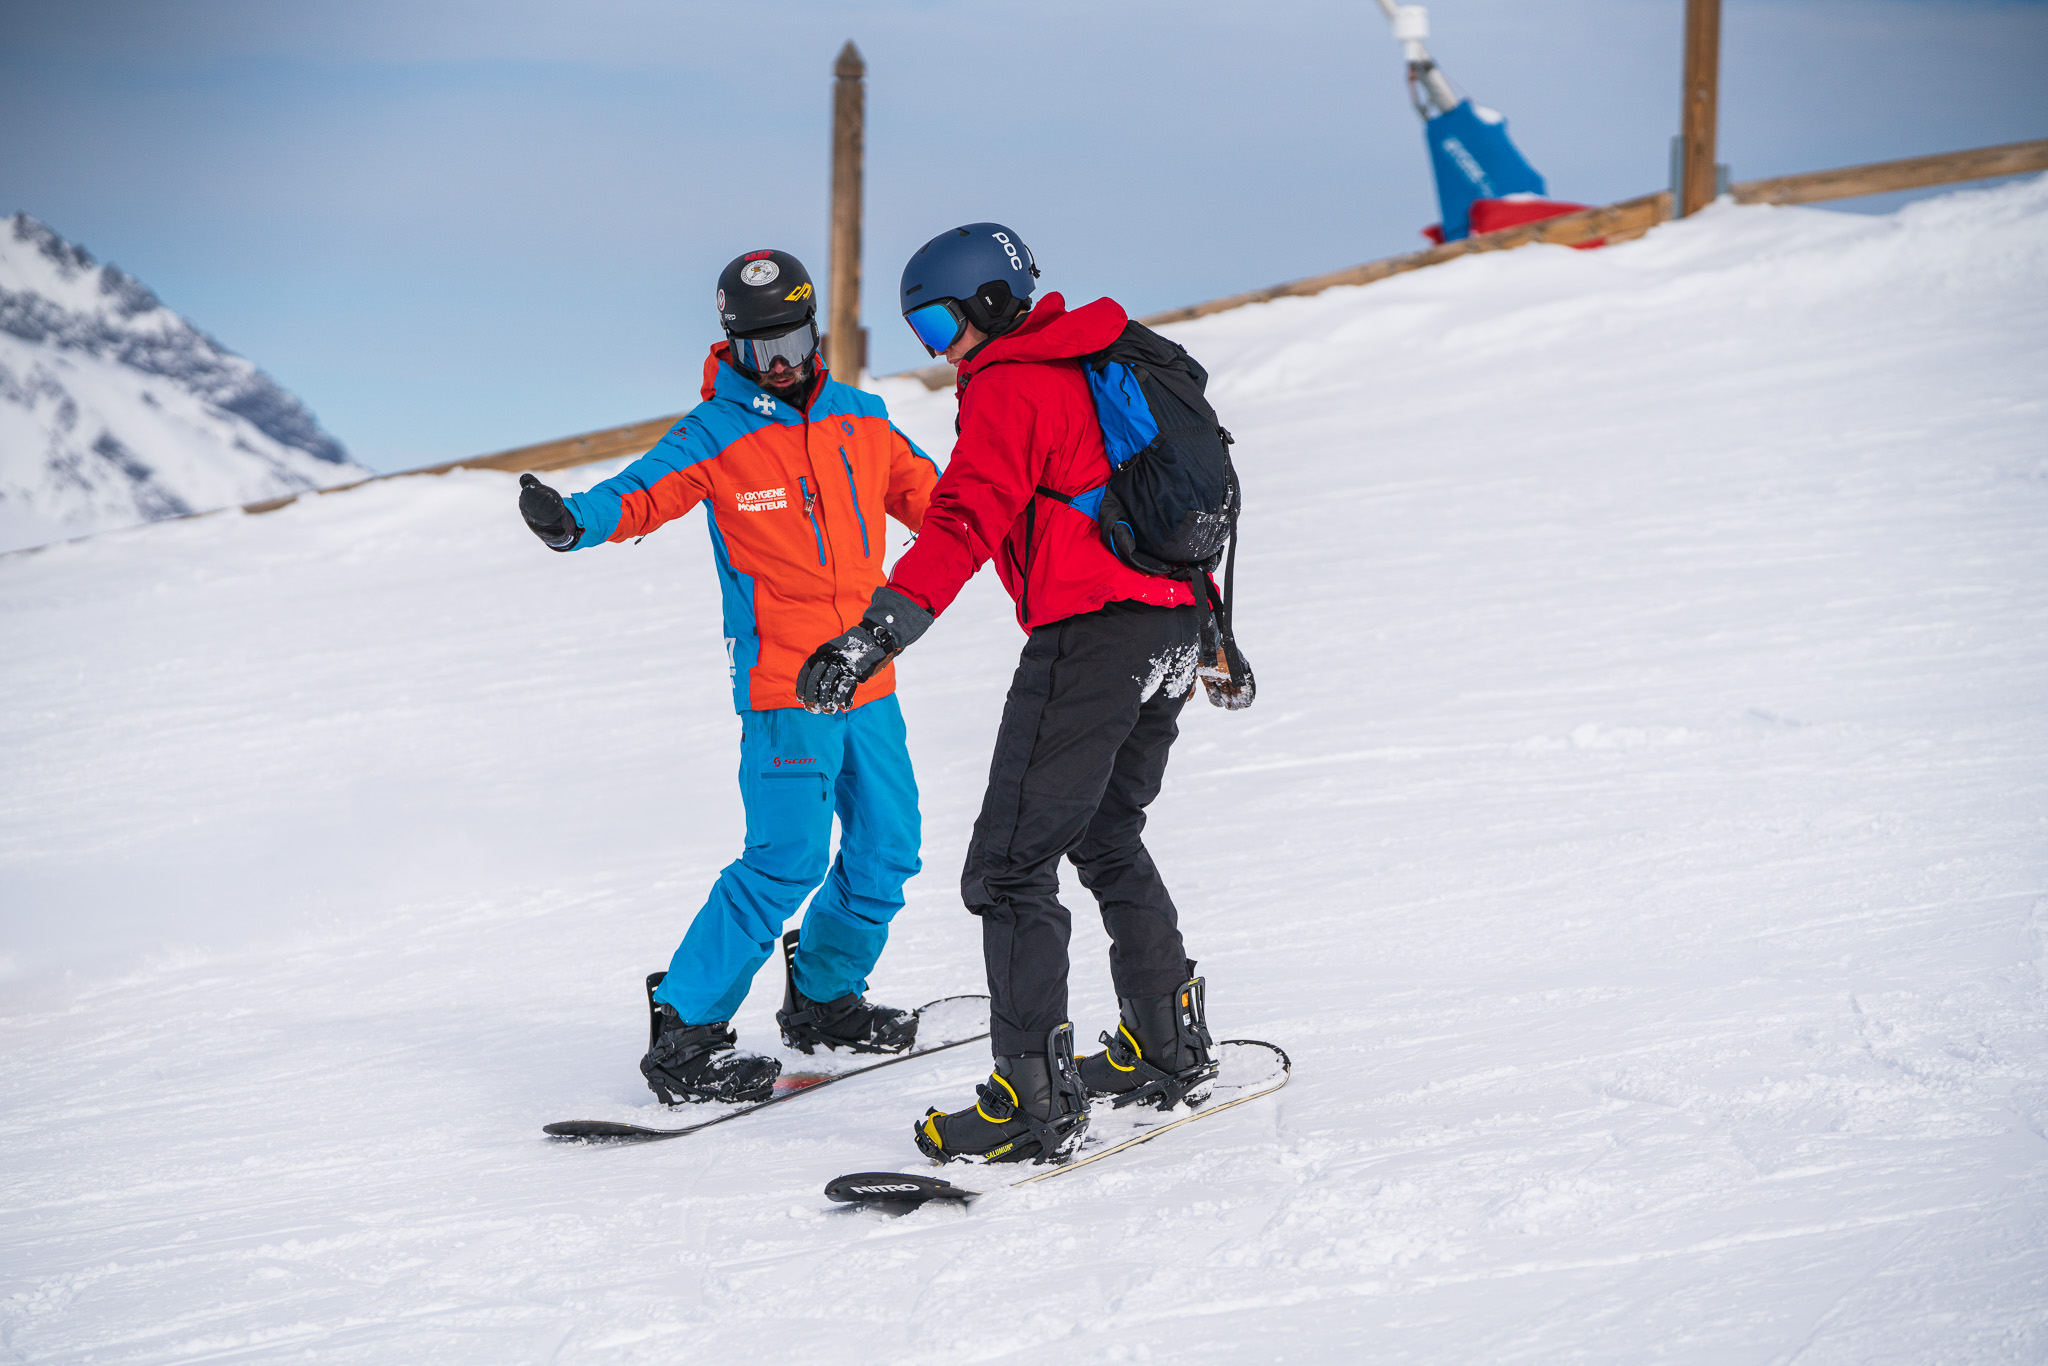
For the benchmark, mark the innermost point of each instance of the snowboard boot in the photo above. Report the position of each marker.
(1159, 1054)
(699, 1062)
(852, 1022)
(1031, 1108)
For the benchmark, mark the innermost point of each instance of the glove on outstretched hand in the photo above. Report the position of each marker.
(892, 622)
(547, 515)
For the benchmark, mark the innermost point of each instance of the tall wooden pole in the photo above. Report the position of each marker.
(848, 355)
(1700, 110)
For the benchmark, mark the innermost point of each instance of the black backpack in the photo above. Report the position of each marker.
(1170, 507)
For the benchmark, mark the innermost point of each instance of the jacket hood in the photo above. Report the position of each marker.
(722, 381)
(1051, 332)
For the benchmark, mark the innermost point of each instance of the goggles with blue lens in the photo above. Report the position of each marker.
(795, 346)
(938, 325)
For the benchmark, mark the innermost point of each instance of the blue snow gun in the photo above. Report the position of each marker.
(1469, 147)
(1473, 159)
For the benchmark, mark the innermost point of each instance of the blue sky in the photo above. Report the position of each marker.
(460, 227)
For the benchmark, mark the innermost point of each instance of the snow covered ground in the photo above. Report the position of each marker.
(1640, 844)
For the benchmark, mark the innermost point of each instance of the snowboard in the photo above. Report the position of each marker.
(945, 1023)
(1248, 1069)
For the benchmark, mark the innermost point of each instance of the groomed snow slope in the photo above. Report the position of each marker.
(1640, 843)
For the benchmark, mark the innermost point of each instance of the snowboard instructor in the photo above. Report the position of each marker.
(796, 472)
(1091, 713)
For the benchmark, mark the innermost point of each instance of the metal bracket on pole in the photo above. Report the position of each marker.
(1723, 178)
(1411, 30)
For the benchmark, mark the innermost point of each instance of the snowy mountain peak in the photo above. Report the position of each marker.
(116, 410)
(70, 260)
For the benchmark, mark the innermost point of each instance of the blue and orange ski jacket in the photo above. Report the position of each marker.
(796, 498)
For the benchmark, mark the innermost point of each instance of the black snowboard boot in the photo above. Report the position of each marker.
(852, 1022)
(699, 1062)
(1031, 1108)
(1159, 1054)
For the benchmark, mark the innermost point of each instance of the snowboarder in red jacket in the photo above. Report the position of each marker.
(1092, 710)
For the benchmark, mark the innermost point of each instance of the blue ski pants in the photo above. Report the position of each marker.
(797, 770)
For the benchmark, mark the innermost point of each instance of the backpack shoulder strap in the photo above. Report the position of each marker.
(1088, 501)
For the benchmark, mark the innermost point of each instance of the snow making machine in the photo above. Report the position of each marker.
(1483, 183)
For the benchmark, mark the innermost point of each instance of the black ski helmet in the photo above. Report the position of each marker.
(765, 293)
(984, 267)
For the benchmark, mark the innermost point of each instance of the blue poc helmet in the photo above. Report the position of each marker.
(981, 274)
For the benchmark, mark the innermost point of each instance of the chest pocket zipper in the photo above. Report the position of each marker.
(803, 485)
(854, 494)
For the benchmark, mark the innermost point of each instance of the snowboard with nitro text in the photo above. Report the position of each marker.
(1248, 1069)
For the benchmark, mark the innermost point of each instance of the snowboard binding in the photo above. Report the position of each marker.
(1179, 1066)
(1031, 1108)
(851, 1024)
(700, 1062)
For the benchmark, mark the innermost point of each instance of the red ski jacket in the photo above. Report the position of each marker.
(1026, 420)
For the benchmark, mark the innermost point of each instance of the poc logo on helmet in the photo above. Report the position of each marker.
(1016, 261)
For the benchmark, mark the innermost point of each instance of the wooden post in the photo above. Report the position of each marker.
(1700, 109)
(848, 350)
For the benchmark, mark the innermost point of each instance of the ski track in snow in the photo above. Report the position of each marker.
(1638, 844)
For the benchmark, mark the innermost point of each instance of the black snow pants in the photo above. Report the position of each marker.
(1091, 714)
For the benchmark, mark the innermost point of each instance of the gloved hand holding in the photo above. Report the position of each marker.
(547, 515)
(892, 623)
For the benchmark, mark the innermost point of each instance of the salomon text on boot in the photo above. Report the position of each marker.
(851, 1023)
(1031, 1108)
(1159, 1054)
(700, 1062)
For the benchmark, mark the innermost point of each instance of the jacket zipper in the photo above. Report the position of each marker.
(1024, 570)
(854, 494)
(810, 511)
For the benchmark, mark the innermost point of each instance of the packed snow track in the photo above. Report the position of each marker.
(1640, 845)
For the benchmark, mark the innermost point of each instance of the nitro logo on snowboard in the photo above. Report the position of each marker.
(764, 500)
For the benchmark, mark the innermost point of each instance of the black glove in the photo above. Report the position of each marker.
(547, 514)
(828, 678)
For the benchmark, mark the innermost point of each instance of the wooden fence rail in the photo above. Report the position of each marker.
(1883, 177)
(1615, 223)
(586, 449)
(1630, 218)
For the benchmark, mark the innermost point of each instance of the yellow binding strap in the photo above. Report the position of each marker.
(1014, 1101)
(1135, 1050)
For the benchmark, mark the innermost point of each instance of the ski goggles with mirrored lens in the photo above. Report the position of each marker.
(938, 325)
(795, 347)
